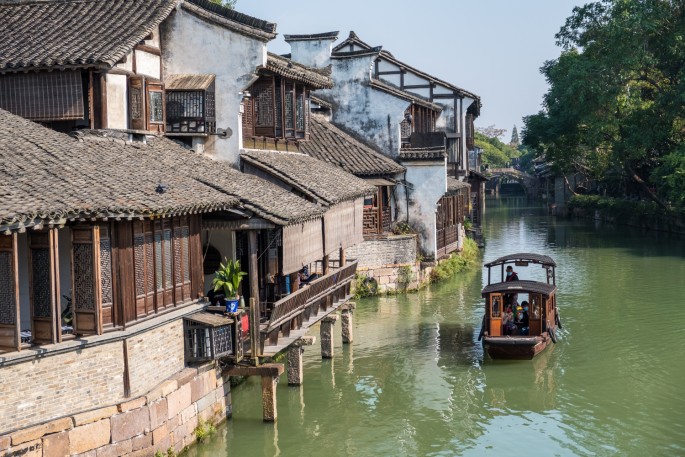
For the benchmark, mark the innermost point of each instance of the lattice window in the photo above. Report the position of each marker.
(178, 256)
(106, 270)
(156, 104)
(185, 234)
(149, 259)
(279, 109)
(159, 276)
(167, 259)
(300, 112)
(42, 293)
(135, 102)
(84, 291)
(8, 305)
(264, 105)
(182, 104)
(289, 95)
(307, 110)
(210, 104)
(139, 254)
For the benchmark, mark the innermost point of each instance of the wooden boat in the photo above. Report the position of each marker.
(520, 341)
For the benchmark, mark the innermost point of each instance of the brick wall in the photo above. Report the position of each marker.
(46, 388)
(155, 355)
(166, 417)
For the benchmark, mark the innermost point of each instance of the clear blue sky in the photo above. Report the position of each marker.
(493, 48)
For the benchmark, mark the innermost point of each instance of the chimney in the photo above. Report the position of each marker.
(312, 50)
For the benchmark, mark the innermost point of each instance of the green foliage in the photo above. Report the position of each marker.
(228, 278)
(621, 210)
(364, 286)
(230, 4)
(403, 228)
(159, 453)
(457, 263)
(495, 153)
(405, 275)
(204, 430)
(616, 102)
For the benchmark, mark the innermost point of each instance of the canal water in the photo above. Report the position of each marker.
(416, 383)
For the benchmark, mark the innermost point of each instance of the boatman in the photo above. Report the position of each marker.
(511, 275)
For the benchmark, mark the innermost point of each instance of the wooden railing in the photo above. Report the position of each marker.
(297, 303)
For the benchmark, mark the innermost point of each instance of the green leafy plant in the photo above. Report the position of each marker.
(457, 263)
(228, 278)
(364, 286)
(204, 430)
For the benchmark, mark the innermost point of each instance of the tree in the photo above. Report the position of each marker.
(491, 131)
(615, 105)
(515, 142)
(230, 4)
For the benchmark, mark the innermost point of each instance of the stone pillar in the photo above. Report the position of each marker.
(347, 332)
(294, 366)
(327, 336)
(269, 410)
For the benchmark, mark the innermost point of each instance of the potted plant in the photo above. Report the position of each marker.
(227, 279)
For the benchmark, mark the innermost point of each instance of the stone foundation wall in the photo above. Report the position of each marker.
(390, 250)
(166, 417)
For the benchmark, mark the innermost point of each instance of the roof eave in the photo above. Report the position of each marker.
(242, 29)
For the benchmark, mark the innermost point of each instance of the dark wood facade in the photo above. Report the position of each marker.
(121, 273)
(452, 210)
(377, 212)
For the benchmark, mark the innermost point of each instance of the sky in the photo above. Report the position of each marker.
(493, 48)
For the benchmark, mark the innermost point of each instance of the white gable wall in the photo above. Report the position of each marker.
(193, 46)
(314, 53)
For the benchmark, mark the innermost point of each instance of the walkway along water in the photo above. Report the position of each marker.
(416, 382)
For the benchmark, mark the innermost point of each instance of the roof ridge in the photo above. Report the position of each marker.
(229, 13)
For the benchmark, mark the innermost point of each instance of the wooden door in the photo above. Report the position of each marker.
(107, 311)
(496, 311)
(535, 313)
(85, 280)
(181, 250)
(44, 287)
(9, 294)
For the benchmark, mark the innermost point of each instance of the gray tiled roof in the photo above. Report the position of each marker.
(46, 176)
(231, 19)
(313, 36)
(265, 199)
(330, 144)
(66, 33)
(454, 185)
(318, 78)
(321, 181)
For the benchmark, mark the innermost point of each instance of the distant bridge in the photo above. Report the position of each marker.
(510, 180)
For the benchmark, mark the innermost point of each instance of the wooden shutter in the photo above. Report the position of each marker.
(181, 249)
(155, 109)
(197, 280)
(106, 278)
(143, 255)
(44, 287)
(85, 280)
(137, 109)
(9, 293)
(263, 94)
(164, 288)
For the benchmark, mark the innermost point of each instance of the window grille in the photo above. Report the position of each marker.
(156, 107)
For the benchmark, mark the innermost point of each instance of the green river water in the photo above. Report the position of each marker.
(416, 383)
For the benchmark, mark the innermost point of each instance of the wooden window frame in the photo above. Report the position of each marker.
(10, 332)
(142, 107)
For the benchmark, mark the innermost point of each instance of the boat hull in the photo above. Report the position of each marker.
(516, 347)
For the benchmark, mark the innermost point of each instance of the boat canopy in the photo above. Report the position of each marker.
(523, 257)
(521, 286)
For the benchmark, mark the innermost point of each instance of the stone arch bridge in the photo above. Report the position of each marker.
(510, 181)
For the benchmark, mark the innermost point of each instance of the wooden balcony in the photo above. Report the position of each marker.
(271, 144)
(293, 315)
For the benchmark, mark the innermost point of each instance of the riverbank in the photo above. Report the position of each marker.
(645, 215)
(412, 278)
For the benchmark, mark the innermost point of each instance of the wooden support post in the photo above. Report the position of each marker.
(294, 367)
(327, 336)
(255, 312)
(343, 259)
(294, 282)
(326, 268)
(347, 332)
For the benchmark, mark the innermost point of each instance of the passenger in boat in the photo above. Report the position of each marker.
(525, 319)
(508, 322)
(511, 274)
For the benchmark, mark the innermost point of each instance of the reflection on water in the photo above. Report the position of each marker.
(416, 381)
